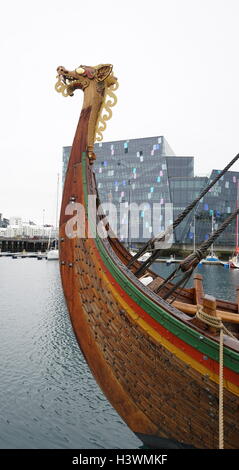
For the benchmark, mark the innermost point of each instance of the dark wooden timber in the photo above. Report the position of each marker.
(163, 388)
(154, 392)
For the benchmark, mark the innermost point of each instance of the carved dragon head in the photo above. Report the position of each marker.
(82, 77)
(97, 83)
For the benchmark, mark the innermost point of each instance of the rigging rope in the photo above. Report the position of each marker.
(163, 236)
(178, 292)
(183, 280)
(198, 255)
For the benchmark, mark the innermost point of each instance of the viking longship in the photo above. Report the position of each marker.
(165, 356)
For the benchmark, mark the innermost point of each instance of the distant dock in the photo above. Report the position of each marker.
(23, 255)
(167, 261)
(176, 261)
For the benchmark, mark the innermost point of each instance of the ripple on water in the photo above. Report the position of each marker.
(48, 396)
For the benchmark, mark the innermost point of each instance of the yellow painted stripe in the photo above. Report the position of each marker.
(167, 344)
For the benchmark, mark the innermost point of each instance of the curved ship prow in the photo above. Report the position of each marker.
(156, 362)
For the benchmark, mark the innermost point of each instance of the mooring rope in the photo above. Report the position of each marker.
(217, 323)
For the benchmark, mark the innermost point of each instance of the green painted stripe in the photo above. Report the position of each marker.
(184, 332)
(175, 326)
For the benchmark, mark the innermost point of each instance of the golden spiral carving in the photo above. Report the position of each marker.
(106, 106)
(61, 87)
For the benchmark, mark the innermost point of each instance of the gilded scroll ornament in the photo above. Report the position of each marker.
(101, 122)
(61, 87)
(98, 84)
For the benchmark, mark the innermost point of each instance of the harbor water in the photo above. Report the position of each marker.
(48, 396)
(219, 281)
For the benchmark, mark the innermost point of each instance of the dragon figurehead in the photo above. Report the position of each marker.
(97, 83)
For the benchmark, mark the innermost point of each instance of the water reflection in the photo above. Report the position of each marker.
(48, 396)
(217, 280)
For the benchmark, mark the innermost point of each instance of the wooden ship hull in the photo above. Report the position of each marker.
(156, 364)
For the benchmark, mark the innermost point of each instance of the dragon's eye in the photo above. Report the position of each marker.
(80, 70)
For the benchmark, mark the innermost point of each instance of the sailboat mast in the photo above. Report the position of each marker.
(237, 250)
(57, 201)
(212, 248)
(194, 235)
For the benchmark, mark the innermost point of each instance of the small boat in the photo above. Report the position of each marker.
(154, 356)
(234, 260)
(225, 264)
(52, 254)
(211, 257)
(170, 260)
(142, 258)
(52, 249)
(40, 255)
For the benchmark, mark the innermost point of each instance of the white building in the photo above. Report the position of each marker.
(15, 220)
(2, 231)
(22, 230)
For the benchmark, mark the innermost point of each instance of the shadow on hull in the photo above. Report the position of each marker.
(155, 442)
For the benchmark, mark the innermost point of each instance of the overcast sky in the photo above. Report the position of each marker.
(178, 68)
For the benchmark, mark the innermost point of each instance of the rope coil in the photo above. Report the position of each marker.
(214, 322)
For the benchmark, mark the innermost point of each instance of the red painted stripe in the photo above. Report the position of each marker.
(209, 363)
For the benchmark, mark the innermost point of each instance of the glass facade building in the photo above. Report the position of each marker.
(3, 222)
(146, 172)
(135, 171)
(215, 207)
(183, 191)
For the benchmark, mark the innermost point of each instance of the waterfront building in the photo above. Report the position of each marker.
(28, 230)
(17, 227)
(3, 221)
(2, 232)
(147, 172)
(15, 220)
(216, 206)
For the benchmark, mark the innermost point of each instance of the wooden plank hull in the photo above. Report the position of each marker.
(158, 368)
(146, 356)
